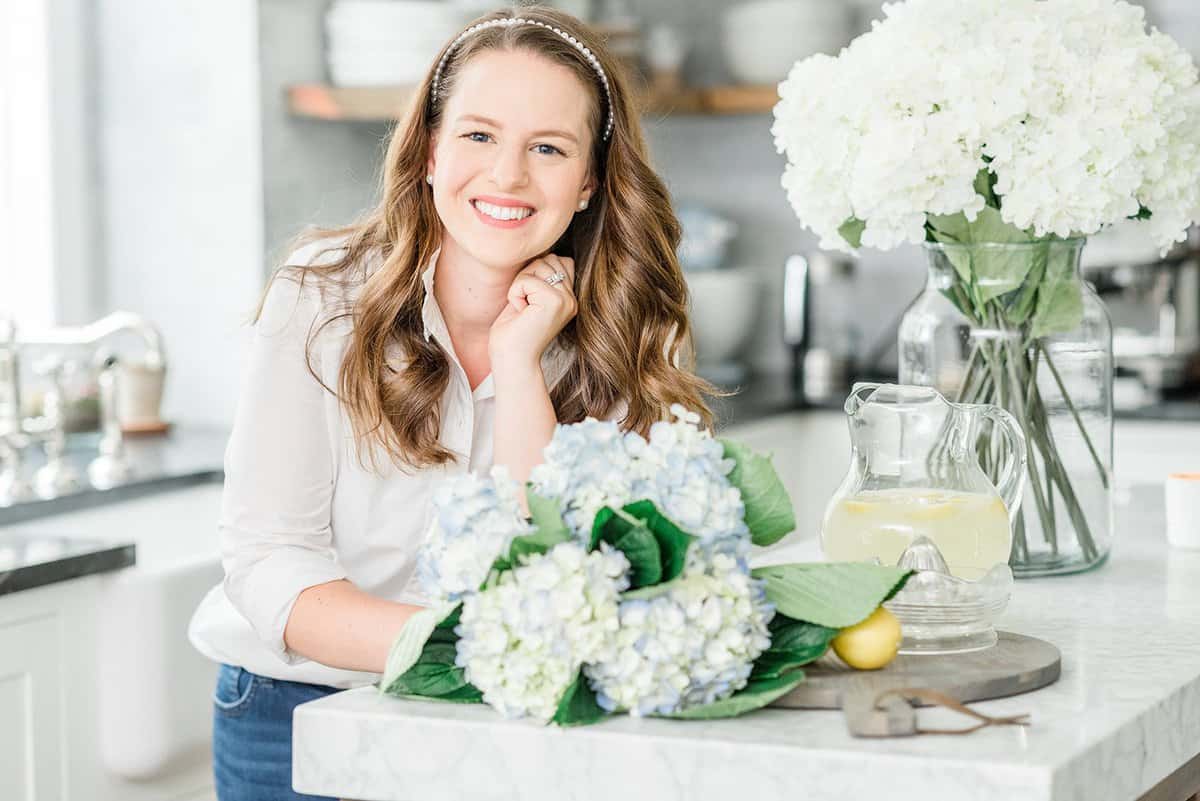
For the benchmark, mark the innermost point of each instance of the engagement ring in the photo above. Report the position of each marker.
(557, 278)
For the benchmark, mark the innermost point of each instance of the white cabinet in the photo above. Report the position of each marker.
(31, 732)
(102, 697)
(42, 700)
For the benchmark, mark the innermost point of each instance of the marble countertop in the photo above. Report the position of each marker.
(34, 561)
(1124, 716)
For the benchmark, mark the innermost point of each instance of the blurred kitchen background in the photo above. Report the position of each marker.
(158, 158)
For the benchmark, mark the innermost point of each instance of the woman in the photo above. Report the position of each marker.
(519, 271)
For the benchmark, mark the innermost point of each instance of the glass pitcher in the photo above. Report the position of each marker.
(916, 477)
(916, 495)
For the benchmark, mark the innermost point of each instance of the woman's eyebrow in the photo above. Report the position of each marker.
(488, 121)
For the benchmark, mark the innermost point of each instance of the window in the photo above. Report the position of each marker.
(26, 198)
(47, 184)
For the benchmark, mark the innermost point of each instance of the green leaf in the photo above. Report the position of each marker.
(1060, 296)
(852, 230)
(546, 515)
(451, 620)
(464, 695)
(633, 538)
(789, 634)
(626, 529)
(1021, 305)
(755, 695)
(531, 544)
(989, 226)
(434, 673)
(985, 185)
(794, 643)
(598, 523)
(774, 664)
(950, 227)
(578, 706)
(969, 245)
(550, 530)
(407, 647)
(469, 694)
(769, 513)
(673, 542)
(958, 255)
(1143, 213)
(832, 594)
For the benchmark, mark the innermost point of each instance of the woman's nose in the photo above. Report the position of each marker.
(509, 169)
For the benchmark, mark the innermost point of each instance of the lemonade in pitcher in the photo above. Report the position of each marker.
(971, 529)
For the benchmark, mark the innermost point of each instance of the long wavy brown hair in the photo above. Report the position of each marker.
(631, 339)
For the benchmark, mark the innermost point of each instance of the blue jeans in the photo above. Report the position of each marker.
(252, 734)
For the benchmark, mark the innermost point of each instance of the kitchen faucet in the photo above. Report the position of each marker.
(17, 432)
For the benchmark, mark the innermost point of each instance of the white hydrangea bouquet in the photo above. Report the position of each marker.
(628, 589)
(1000, 133)
(1017, 119)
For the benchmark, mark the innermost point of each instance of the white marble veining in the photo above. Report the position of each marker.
(1124, 715)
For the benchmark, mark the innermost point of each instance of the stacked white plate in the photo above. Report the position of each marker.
(763, 39)
(386, 42)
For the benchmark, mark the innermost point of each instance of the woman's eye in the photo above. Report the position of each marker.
(480, 136)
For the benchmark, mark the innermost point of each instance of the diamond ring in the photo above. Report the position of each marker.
(557, 278)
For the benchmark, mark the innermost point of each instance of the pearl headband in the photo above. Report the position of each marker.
(510, 21)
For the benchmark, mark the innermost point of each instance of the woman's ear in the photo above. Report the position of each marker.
(431, 157)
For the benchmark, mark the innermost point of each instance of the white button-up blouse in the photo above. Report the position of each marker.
(298, 509)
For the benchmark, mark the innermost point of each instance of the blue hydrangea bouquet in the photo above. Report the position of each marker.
(629, 587)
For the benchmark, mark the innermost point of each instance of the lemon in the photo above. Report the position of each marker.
(871, 644)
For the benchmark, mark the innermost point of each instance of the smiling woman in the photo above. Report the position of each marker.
(518, 272)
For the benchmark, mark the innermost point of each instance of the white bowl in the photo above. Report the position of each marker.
(762, 40)
(725, 310)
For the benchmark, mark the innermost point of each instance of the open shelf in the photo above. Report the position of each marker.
(381, 103)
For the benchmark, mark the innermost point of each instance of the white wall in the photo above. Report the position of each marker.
(180, 154)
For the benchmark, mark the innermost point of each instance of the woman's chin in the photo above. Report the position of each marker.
(501, 250)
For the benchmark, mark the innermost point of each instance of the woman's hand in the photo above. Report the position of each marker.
(535, 313)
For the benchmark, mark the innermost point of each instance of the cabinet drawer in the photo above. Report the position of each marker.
(31, 735)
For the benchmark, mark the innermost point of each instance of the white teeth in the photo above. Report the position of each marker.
(502, 212)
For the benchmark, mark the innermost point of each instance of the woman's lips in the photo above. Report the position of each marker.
(492, 221)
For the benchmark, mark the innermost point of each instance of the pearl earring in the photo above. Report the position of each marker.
(429, 180)
(582, 205)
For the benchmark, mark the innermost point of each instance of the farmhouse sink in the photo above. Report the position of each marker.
(152, 689)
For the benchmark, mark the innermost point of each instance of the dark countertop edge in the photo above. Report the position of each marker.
(91, 498)
(103, 559)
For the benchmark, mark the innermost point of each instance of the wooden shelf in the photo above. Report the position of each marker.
(381, 103)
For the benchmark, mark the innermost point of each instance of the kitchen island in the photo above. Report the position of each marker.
(1122, 723)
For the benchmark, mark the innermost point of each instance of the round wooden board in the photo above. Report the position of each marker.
(1015, 664)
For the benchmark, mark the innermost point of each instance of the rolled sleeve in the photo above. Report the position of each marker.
(275, 533)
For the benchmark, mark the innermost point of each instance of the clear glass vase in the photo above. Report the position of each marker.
(1014, 325)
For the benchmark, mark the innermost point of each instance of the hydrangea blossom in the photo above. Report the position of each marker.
(1011, 85)
(691, 646)
(685, 472)
(523, 640)
(681, 469)
(475, 520)
(587, 466)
